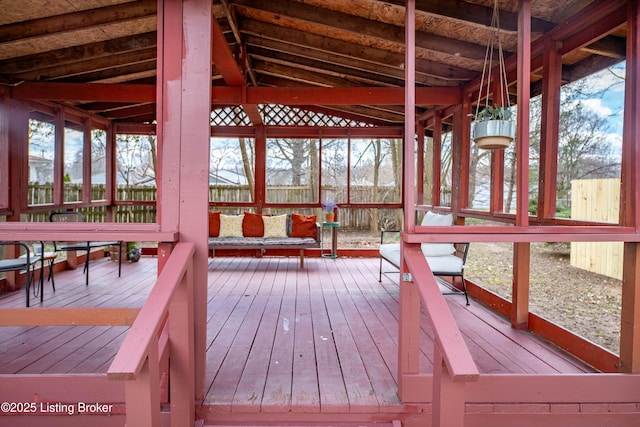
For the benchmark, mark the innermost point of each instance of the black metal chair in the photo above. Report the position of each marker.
(48, 257)
(25, 262)
(81, 246)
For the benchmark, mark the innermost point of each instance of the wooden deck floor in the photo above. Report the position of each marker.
(322, 339)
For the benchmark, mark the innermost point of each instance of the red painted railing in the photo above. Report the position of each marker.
(163, 330)
(453, 365)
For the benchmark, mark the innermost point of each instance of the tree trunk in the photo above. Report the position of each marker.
(246, 164)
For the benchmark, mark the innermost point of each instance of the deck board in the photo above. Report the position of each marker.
(338, 356)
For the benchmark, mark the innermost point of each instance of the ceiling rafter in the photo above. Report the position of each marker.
(355, 65)
(90, 65)
(357, 55)
(474, 14)
(341, 22)
(362, 77)
(79, 53)
(57, 24)
(226, 64)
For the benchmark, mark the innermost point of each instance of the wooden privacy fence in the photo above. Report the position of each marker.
(352, 218)
(597, 200)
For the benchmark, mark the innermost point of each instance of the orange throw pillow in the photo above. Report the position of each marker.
(252, 225)
(214, 224)
(303, 225)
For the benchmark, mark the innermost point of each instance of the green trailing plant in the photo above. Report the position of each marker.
(494, 113)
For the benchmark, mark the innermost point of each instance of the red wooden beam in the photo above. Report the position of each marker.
(348, 95)
(223, 57)
(226, 95)
(226, 64)
(84, 92)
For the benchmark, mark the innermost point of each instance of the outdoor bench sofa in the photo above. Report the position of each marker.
(261, 232)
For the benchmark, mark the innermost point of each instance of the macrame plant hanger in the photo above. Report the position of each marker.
(493, 128)
(494, 40)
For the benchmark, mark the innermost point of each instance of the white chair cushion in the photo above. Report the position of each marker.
(445, 264)
(434, 219)
(391, 252)
(437, 220)
(439, 264)
(437, 249)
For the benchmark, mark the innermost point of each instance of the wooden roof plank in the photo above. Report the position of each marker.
(74, 21)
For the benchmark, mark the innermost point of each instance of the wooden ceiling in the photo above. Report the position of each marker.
(287, 43)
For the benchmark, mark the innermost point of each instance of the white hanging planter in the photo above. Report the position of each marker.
(493, 134)
(493, 128)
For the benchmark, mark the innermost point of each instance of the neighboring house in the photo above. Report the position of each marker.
(227, 177)
(40, 169)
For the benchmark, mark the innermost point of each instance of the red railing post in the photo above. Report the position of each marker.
(448, 396)
(142, 395)
(409, 330)
(181, 348)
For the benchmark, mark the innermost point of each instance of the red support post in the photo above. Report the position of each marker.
(548, 173)
(497, 181)
(522, 250)
(630, 199)
(437, 159)
(86, 161)
(420, 165)
(409, 115)
(58, 159)
(110, 180)
(184, 105)
(259, 185)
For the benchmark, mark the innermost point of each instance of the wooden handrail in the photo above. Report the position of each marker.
(559, 233)
(136, 346)
(84, 231)
(448, 337)
(163, 325)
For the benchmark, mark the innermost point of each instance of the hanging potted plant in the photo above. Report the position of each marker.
(493, 127)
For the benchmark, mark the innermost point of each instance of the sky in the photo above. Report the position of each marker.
(610, 101)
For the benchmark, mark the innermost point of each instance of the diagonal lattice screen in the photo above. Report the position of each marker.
(280, 115)
(283, 115)
(230, 116)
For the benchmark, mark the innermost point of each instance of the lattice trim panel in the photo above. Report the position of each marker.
(230, 116)
(283, 115)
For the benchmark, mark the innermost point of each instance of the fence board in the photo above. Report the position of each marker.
(351, 218)
(597, 200)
